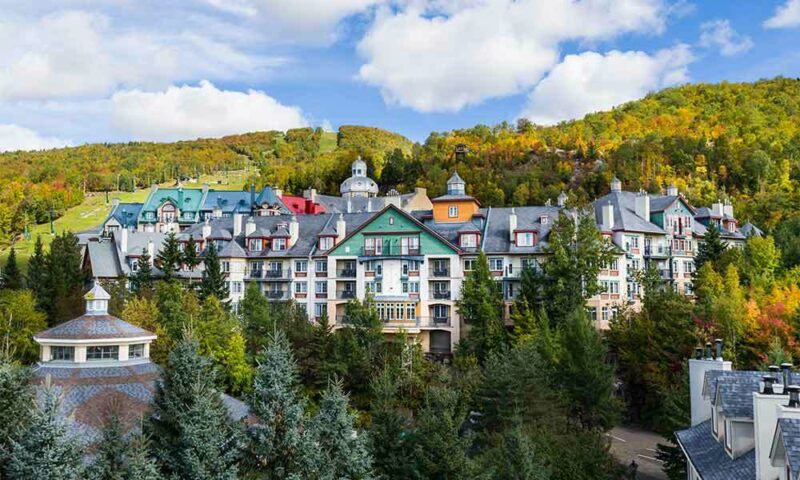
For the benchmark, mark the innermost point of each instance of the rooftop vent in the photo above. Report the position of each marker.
(769, 381)
(794, 396)
(787, 371)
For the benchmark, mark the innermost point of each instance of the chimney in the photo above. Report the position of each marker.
(216, 212)
(708, 351)
(180, 198)
(512, 225)
(698, 366)
(698, 353)
(206, 229)
(294, 231)
(369, 205)
(787, 373)
(794, 396)
(341, 229)
(278, 192)
(237, 224)
(562, 199)
(608, 216)
(310, 194)
(422, 192)
(249, 227)
(643, 205)
(717, 209)
(115, 201)
(672, 191)
(349, 206)
(205, 188)
(769, 381)
(616, 185)
(718, 343)
(727, 208)
(123, 239)
(151, 250)
(252, 195)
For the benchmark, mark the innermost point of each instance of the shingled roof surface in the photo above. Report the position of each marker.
(709, 457)
(625, 217)
(92, 327)
(790, 436)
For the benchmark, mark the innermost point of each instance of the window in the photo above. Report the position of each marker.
(375, 287)
(544, 219)
(301, 266)
(375, 266)
(226, 267)
(531, 263)
(496, 264)
(410, 287)
(103, 352)
(610, 286)
(236, 287)
(452, 211)
(605, 314)
(373, 246)
(255, 244)
(319, 309)
(469, 264)
(525, 239)
(321, 266)
(409, 266)
(615, 264)
(728, 435)
(321, 288)
(64, 354)
(591, 312)
(136, 351)
(279, 244)
(440, 311)
(325, 243)
(409, 245)
(468, 240)
(301, 287)
(688, 266)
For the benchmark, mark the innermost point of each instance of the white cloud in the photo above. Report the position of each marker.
(445, 55)
(786, 16)
(13, 137)
(591, 81)
(72, 54)
(188, 112)
(720, 34)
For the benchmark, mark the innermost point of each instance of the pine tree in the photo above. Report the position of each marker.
(515, 457)
(142, 279)
(390, 442)
(37, 274)
(255, 312)
(193, 437)
(44, 448)
(481, 307)
(213, 279)
(111, 455)
(170, 256)
(16, 396)
(281, 446)
(140, 465)
(65, 279)
(191, 257)
(12, 276)
(711, 248)
(344, 449)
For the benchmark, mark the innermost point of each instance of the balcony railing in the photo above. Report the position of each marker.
(256, 273)
(390, 251)
(276, 294)
(659, 250)
(274, 273)
(440, 272)
(431, 322)
(346, 273)
(346, 294)
(441, 295)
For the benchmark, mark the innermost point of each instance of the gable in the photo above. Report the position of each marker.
(389, 227)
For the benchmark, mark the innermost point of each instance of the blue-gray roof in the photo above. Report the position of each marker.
(497, 237)
(126, 214)
(709, 457)
(790, 436)
(90, 327)
(625, 217)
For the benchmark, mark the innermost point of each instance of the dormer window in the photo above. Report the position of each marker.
(468, 240)
(544, 219)
(279, 244)
(325, 243)
(452, 211)
(102, 352)
(63, 354)
(255, 245)
(136, 351)
(525, 239)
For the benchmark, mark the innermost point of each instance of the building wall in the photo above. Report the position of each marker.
(466, 209)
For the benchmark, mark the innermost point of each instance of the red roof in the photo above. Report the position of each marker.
(301, 205)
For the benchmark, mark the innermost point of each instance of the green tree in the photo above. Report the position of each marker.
(515, 457)
(256, 317)
(170, 256)
(177, 308)
(12, 276)
(20, 320)
(390, 440)
(481, 307)
(213, 279)
(111, 456)
(37, 274)
(761, 259)
(193, 437)
(65, 279)
(142, 279)
(711, 248)
(191, 256)
(16, 397)
(344, 449)
(221, 339)
(44, 448)
(140, 465)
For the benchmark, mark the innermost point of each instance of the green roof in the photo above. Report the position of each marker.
(192, 200)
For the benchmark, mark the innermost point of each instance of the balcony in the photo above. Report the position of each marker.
(276, 294)
(271, 274)
(346, 294)
(274, 273)
(441, 295)
(656, 251)
(434, 321)
(440, 272)
(390, 251)
(346, 273)
(256, 273)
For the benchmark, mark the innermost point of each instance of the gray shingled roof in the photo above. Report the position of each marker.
(232, 250)
(790, 436)
(126, 214)
(625, 218)
(103, 258)
(709, 457)
(748, 229)
(659, 203)
(91, 327)
(736, 388)
(497, 237)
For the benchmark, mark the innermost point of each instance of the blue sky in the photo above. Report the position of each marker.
(77, 71)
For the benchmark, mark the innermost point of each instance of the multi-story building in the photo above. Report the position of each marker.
(745, 424)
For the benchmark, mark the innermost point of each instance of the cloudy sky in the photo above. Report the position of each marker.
(77, 71)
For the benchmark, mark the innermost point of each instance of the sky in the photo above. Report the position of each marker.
(86, 71)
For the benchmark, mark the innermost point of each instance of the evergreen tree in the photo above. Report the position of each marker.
(140, 465)
(515, 457)
(281, 445)
(193, 437)
(710, 249)
(177, 308)
(344, 450)
(213, 279)
(220, 338)
(37, 274)
(256, 316)
(390, 442)
(142, 279)
(12, 276)
(191, 257)
(170, 256)
(65, 279)
(481, 307)
(112, 452)
(44, 448)
(16, 397)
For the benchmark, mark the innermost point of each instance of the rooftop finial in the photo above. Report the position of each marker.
(97, 300)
